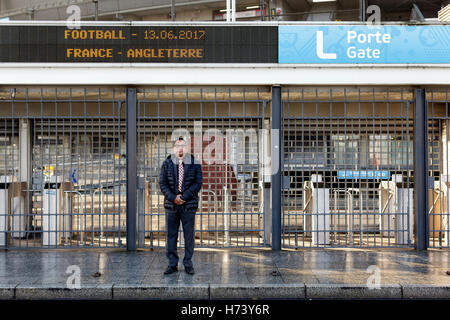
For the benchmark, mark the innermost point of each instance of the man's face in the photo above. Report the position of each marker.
(180, 148)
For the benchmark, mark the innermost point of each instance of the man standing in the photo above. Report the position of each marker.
(180, 181)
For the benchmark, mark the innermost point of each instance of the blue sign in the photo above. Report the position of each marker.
(349, 174)
(73, 176)
(364, 44)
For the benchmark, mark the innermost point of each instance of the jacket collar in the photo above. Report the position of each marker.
(187, 159)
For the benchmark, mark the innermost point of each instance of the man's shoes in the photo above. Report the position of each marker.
(189, 270)
(171, 270)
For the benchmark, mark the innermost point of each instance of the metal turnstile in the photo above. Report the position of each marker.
(396, 202)
(56, 220)
(439, 205)
(316, 206)
(4, 210)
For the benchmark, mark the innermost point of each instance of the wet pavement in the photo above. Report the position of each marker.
(226, 273)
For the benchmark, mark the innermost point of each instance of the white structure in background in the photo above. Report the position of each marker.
(56, 212)
(396, 203)
(4, 209)
(13, 219)
(231, 11)
(439, 205)
(316, 206)
(444, 14)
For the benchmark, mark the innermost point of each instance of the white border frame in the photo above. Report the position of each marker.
(219, 74)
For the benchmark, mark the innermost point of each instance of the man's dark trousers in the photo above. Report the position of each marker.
(173, 218)
(191, 185)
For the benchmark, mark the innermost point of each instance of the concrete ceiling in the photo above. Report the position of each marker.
(428, 7)
(108, 9)
(193, 5)
(305, 5)
(401, 5)
(386, 5)
(55, 10)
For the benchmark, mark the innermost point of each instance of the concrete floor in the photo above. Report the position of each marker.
(227, 268)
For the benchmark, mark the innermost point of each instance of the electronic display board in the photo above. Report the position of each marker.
(149, 44)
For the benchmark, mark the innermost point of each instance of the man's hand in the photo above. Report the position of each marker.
(178, 200)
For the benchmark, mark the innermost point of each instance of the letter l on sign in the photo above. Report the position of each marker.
(319, 48)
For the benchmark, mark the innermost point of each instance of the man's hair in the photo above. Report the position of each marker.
(179, 139)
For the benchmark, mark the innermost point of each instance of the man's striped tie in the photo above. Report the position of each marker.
(180, 174)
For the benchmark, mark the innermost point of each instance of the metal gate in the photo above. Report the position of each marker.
(438, 168)
(224, 130)
(62, 174)
(347, 167)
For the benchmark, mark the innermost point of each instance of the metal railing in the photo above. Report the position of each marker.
(68, 143)
(63, 165)
(354, 139)
(438, 168)
(223, 127)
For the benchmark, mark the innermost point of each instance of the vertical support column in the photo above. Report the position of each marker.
(131, 168)
(233, 10)
(267, 214)
(445, 179)
(172, 10)
(362, 10)
(264, 155)
(421, 170)
(95, 10)
(25, 170)
(141, 211)
(276, 167)
(25, 151)
(262, 10)
(4, 210)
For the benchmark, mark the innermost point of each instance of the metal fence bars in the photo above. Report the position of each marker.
(225, 131)
(438, 168)
(350, 158)
(347, 167)
(62, 168)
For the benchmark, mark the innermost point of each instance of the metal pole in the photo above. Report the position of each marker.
(131, 168)
(25, 164)
(172, 10)
(102, 211)
(233, 10)
(420, 170)
(362, 10)
(96, 10)
(31, 14)
(141, 211)
(261, 10)
(276, 167)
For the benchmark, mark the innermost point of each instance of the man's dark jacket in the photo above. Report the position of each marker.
(192, 183)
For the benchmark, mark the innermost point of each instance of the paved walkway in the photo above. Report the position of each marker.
(226, 274)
